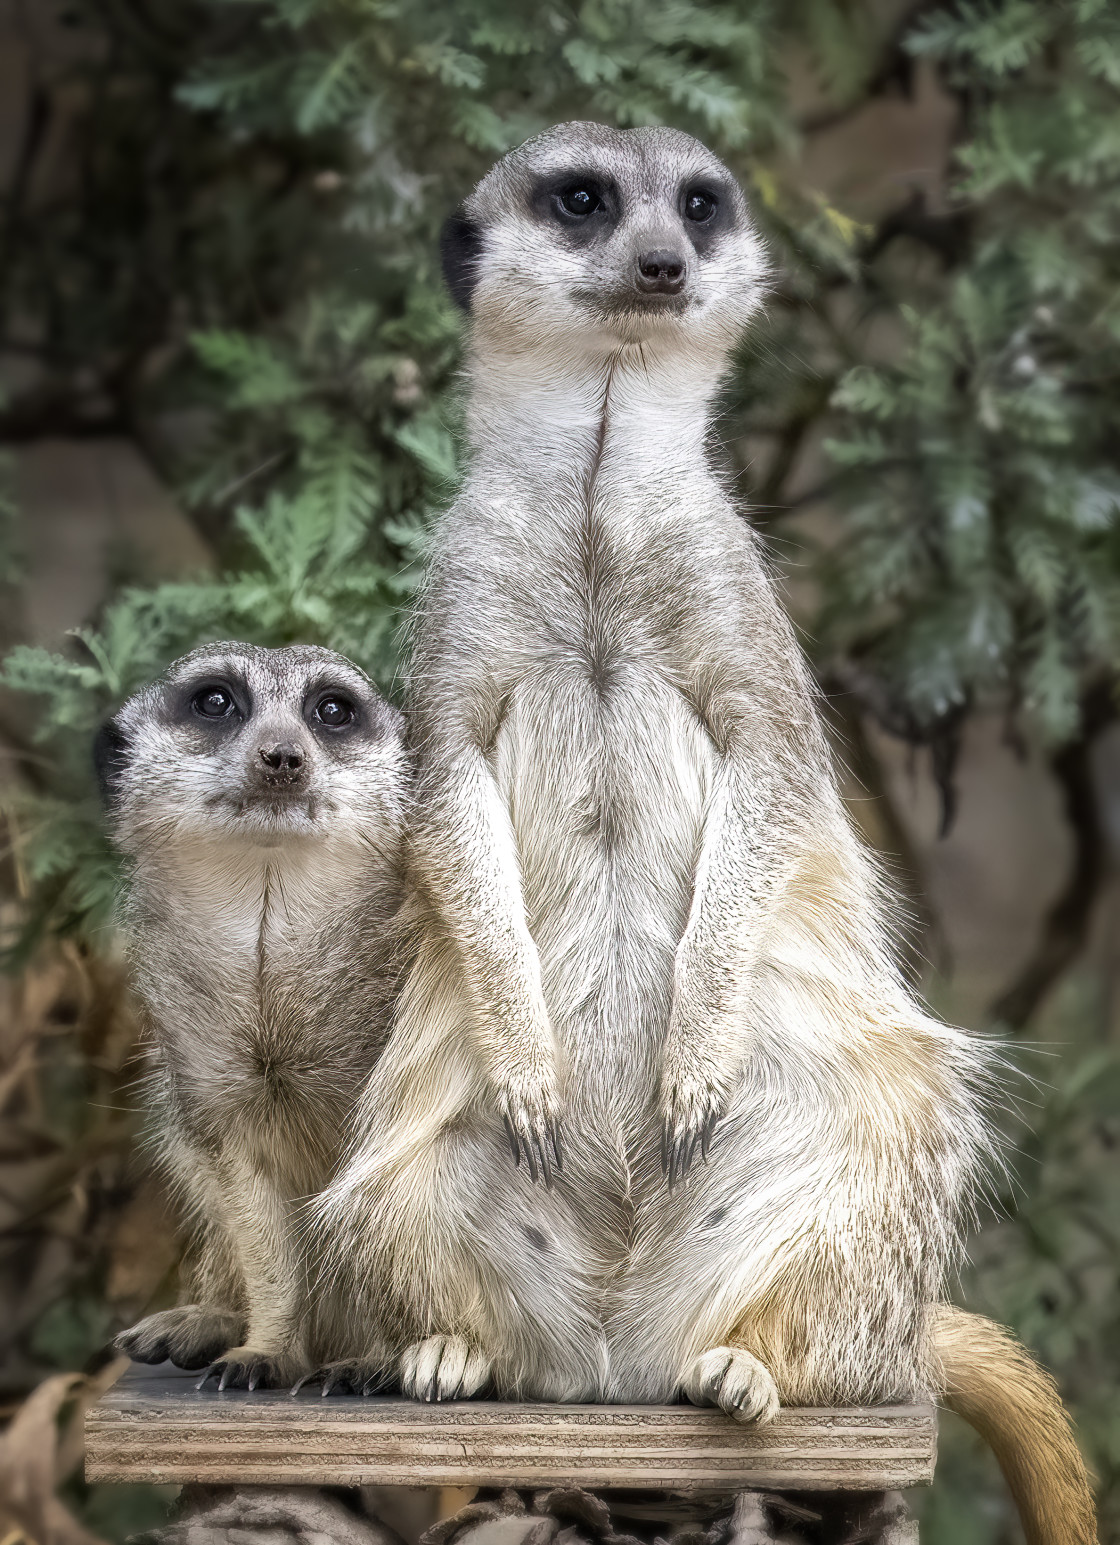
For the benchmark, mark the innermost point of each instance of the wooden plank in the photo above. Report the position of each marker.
(155, 1426)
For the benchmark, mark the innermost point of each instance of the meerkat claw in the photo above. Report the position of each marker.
(680, 1144)
(443, 1368)
(544, 1163)
(249, 1370)
(346, 1378)
(676, 1154)
(707, 1132)
(535, 1146)
(734, 1380)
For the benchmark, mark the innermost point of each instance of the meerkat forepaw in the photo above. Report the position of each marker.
(443, 1368)
(735, 1381)
(690, 1117)
(191, 1336)
(247, 1368)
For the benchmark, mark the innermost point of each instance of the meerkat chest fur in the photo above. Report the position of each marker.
(613, 589)
(248, 932)
(270, 968)
(602, 757)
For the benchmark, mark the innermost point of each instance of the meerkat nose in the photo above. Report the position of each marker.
(283, 758)
(660, 272)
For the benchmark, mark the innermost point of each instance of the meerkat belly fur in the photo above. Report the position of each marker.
(655, 938)
(259, 797)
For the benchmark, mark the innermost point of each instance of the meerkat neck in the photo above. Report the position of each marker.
(242, 886)
(558, 415)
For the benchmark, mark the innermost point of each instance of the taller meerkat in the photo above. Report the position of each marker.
(655, 937)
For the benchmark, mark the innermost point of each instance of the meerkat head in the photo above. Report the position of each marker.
(605, 237)
(263, 745)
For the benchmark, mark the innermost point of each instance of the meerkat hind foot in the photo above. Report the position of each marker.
(735, 1381)
(191, 1336)
(251, 1368)
(348, 1377)
(443, 1368)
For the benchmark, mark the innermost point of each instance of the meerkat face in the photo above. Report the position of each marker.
(605, 236)
(259, 744)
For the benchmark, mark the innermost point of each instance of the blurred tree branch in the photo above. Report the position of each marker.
(1065, 929)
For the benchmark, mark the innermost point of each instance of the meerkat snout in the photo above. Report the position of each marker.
(283, 764)
(661, 272)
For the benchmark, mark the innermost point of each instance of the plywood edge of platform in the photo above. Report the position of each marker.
(154, 1426)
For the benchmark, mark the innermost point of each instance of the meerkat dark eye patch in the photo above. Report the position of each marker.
(213, 701)
(706, 209)
(582, 204)
(333, 711)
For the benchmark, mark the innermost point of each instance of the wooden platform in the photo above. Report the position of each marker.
(155, 1426)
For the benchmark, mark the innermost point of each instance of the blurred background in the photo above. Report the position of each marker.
(228, 408)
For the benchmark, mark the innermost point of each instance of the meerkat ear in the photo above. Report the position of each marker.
(460, 245)
(110, 758)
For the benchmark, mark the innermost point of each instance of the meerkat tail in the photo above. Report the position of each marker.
(993, 1382)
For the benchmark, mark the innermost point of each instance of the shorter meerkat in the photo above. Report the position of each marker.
(259, 796)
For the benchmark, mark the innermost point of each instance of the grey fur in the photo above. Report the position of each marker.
(653, 926)
(262, 916)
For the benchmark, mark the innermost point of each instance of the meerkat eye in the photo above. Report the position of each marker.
(213, 703)
(334, 711)
(580, 200)
(699, 205)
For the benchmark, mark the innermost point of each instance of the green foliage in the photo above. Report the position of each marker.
(981, 470)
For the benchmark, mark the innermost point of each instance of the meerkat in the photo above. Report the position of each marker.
(259, 797)
(658, 1114)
